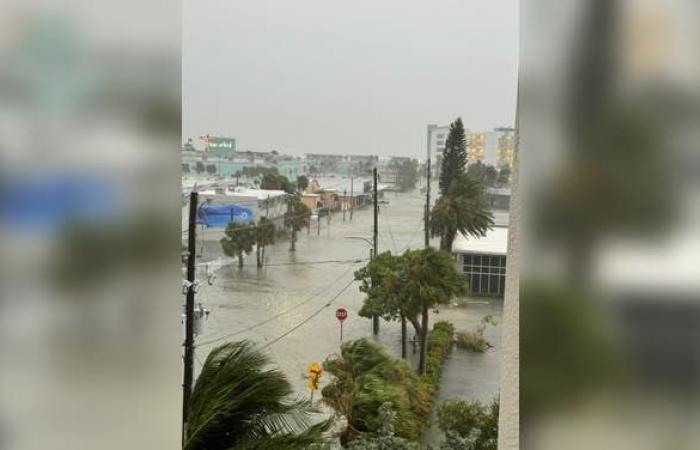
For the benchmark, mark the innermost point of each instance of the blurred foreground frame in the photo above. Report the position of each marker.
(90, 225)
(610, 289)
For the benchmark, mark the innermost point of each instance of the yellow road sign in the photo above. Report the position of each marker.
(315, 370)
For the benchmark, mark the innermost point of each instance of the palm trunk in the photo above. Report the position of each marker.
(403, 336)
(423, 341)
(262, 258)
(257, 253)
(240, 260)
(294, 239)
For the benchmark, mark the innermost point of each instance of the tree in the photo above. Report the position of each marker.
(211, 169)
(490, 176)
(238, 240)
(463, 209)
(504, 176)
(385, 438)
(264, 236)
(185, 168)
(276, 182)
(302, 182)
(407, 175)
(432, 278)
(237, 403)
(298, 216)
(381, 280)
(199, 167)
(469, 425)
(365, 377)
(454, 157)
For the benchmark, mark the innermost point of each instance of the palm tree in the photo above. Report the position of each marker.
(238, 404)
(462, 209)
(238, 240)
(297, 217)
(264, 236)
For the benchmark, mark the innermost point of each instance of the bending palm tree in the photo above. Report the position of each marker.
(237, 404)
(463, 209)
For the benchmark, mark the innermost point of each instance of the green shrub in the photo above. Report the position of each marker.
(365, 377)
(469, 425)
(439, 345)
(475, 341)
(472, 341)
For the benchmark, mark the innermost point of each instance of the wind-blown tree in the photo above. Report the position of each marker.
(264, 236)
(463, 209)
(490, 176)
(381, 280)
(364, 378)
(504, 177)
(199, 167)
(302, 182)
(454, 158)
(469, 425)
(277, 182)
(385, 437)
(298, 216)
(239, 404)
(238, 240)
(432, 278)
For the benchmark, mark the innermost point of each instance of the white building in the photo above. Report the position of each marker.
(483, 261)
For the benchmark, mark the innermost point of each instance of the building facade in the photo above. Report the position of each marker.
(493, 148)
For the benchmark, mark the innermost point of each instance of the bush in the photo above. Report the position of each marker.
(469, 425)
(439, 345)
(472, 341)
(365, 377)
(475, 341)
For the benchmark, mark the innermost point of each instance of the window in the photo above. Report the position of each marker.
(486, 273)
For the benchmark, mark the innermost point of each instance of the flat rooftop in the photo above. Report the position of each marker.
(494, 243)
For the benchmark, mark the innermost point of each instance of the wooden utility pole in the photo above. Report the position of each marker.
(352, 200)
(427, 207)
(375, 318)
(189, 314)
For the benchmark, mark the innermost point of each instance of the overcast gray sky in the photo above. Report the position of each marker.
(343, 76)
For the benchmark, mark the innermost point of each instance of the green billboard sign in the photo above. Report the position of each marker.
(221, 146)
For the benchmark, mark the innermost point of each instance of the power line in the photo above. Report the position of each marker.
(280, 314)
(305, 321)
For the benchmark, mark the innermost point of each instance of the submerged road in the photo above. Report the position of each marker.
(282, 307)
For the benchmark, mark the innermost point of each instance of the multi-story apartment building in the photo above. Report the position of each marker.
(491, 147)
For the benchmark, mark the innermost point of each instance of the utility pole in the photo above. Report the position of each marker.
(329, 221)
(352, 205)
(189, 314)
(427, 207)
(345, 202)
(318, 221)
(375, 318)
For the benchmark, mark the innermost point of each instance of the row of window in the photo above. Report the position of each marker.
(486, 273)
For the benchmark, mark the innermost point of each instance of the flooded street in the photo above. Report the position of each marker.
(288, 307)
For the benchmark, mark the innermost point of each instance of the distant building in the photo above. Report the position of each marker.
(493, 148)
(437, 136)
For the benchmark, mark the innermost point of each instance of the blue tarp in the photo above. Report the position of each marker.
(51, 201)
(219, 216)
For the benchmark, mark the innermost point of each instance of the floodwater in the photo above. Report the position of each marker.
(288, 307)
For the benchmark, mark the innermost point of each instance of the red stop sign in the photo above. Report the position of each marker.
(341, 314)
